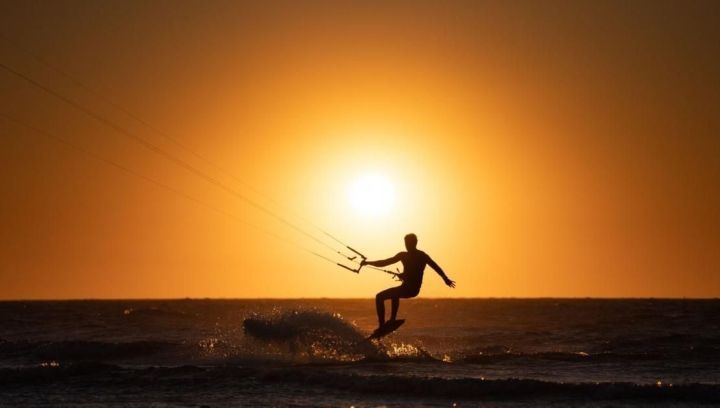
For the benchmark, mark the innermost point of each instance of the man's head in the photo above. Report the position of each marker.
(410, 242)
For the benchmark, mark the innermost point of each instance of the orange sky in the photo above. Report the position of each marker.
(537, 149)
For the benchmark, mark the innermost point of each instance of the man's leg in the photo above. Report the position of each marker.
(380, 306)
(392, 293)
(395, 307)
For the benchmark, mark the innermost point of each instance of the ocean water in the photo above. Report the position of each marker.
(307, 353)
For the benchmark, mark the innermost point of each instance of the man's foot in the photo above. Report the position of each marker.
(385, 324)
(386, 328)
(380, 327)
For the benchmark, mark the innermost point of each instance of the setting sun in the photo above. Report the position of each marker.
(372, 195)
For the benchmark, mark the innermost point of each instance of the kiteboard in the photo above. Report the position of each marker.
(387, 328)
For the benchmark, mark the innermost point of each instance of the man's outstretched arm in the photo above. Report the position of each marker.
(383, 262)
(440, 272)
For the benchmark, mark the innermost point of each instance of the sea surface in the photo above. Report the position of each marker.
(307, 353)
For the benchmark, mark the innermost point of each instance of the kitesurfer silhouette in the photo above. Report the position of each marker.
(414, 262)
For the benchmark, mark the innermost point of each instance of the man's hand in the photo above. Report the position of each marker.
(450, 282)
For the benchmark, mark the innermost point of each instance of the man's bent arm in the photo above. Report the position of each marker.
(383, 262)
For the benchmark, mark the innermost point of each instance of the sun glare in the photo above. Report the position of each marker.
(372, 195)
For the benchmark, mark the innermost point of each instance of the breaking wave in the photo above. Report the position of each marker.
(321, 335)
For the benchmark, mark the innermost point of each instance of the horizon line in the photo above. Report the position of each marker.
(79, 299)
